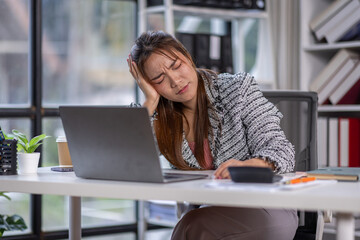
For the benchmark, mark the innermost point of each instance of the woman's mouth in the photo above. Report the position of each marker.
(183, 89)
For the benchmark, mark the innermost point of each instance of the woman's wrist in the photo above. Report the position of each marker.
(260, 162)
(150, 106)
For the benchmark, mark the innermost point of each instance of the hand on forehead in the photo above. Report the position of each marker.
(158, 62)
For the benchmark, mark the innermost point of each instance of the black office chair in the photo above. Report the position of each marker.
(300, 126)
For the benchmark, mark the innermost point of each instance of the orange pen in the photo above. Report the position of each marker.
(301, 180)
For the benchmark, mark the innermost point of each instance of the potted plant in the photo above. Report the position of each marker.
(9, 223)
(28, 159)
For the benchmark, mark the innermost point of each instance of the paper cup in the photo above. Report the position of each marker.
(63, 152)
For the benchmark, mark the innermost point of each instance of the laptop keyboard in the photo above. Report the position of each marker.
(169, 176)
(173, 176)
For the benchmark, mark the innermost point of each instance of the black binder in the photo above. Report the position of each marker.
(190, 2)
(202, 42)
(151, 3)
(226, 54)
(188, 40)
(199, 47)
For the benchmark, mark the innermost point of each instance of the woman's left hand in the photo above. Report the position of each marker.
(223, 173)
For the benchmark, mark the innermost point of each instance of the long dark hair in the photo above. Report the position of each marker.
(169, 124)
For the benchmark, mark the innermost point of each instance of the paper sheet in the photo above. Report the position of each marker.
(267, 187)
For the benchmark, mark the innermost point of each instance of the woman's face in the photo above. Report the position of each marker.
(173, 78)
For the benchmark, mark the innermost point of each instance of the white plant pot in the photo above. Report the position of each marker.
(28, 162)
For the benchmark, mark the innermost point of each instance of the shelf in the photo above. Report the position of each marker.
(333, 232)
(335, 46)
(161, 222)
(339, 111)
(211, 12)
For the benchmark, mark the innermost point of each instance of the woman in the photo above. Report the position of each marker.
(207, 121)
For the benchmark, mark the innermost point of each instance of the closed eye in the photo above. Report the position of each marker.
(160, 81)
(177, 65)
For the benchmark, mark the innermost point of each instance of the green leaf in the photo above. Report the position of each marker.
(32, 148)
(3, 224)
(9, 223)
(8, 136)
(15, 222)
(37, 139)
(21, 147)
(20, 136)
(2, 194)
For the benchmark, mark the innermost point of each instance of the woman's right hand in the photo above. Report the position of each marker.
(151, 95)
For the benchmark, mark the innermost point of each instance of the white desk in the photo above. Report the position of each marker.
(343, 198)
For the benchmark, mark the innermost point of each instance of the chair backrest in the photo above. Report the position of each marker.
(299, 123)
(300, 126)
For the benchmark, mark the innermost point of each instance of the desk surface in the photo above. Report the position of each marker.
(341, 196)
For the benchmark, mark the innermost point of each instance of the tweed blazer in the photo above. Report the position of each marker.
(244, 124)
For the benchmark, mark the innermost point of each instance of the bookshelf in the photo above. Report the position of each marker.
(314, 56)
(227, 14)
(352, 111)
(169, 9)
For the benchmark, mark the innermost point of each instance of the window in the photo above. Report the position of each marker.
(85, 44)
(14, 52)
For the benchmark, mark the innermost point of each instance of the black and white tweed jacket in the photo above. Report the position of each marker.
(244, 124)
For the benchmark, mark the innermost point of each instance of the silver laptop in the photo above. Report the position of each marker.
(114, 143)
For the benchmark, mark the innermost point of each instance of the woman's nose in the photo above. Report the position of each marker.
(174, 81)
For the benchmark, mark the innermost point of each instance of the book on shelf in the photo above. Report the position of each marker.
(335, 20)
(352, 34)
(335, 80)
(322, 137)
(343, 145)
(336, 173)
(331, 68)
(354, 142)
(327, 13)
(333, 142)
(338, 31)
(348, 91)
(338, 142)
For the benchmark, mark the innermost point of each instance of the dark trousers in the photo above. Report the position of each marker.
(230, 223)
